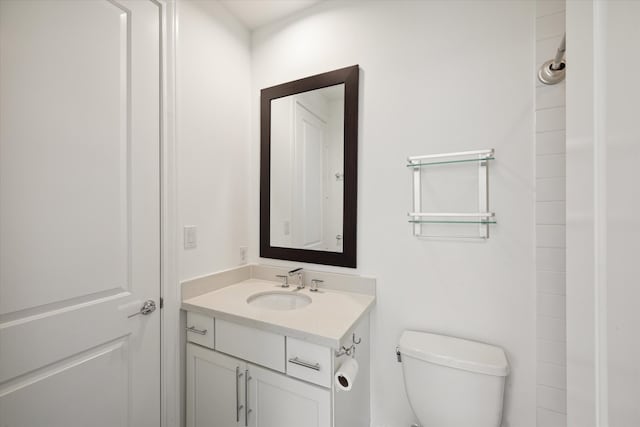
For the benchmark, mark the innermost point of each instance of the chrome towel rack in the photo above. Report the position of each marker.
(483, 217)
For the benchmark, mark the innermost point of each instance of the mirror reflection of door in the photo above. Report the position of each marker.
(307, 137)
(309, 189)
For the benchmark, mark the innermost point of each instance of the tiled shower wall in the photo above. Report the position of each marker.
(550, 224)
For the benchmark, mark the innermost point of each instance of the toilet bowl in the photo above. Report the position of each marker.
(452, 382)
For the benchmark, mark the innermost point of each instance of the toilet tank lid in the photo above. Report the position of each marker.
(453, 352)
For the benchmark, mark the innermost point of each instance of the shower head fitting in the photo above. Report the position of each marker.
(551, 75)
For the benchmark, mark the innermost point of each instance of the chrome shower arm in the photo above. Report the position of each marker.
(553, 71)
(557, 61)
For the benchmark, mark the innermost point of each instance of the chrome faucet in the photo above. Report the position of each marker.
(297, 273)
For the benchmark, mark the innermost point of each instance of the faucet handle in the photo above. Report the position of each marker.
(314, 284)
(285, 280)
(295, 271)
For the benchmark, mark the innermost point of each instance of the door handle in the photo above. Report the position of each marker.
(247, 411)
(238, 405)
(147, 308)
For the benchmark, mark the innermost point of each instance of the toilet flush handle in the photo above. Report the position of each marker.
(398, 355)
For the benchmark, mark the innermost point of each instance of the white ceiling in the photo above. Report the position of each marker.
(256, 13)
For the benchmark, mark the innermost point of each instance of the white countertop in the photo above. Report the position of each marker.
(329, 317)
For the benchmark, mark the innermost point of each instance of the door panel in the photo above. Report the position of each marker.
(99, 372)
(35, 341)
(312, 153)
(79, 212)
(309, 192)
(213, 391)
(58, 59)
(276, 400)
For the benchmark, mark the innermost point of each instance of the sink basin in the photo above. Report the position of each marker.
(278, 300)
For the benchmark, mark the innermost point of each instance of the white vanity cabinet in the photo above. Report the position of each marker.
(223, 391)
(256, 378)
(215, 390)
(276, 400)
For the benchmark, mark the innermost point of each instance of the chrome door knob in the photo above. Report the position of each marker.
(148, 307)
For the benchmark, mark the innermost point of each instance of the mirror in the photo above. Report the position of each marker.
(307, 151)
(308, 169)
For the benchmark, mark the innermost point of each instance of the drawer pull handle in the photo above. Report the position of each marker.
(197, 331)
(296, 361)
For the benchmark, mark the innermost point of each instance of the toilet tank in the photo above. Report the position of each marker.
(452, 382)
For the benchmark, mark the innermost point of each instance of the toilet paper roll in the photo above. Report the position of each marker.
(346, 374)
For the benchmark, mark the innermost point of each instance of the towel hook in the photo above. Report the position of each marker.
(351, 350)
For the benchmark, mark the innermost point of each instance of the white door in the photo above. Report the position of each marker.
(79, 213)
(215, 389)
(276, 400)
(309, 192)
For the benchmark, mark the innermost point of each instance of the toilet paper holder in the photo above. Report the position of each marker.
(351, 350)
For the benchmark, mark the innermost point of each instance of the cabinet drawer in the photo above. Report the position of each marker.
(260, 347)
(309, 362)
(200, 329)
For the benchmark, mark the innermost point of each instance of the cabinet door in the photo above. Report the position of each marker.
(276, 400)
(215, 388)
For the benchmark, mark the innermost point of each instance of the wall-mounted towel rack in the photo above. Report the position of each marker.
(484, 217)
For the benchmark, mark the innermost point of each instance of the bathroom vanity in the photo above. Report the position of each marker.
(263, 355)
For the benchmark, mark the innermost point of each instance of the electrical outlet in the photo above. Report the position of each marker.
(243, 254)
(190, 237)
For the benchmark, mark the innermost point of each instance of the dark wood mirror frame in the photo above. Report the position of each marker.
(346, 258)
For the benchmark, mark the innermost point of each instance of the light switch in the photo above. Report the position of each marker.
(190, 237)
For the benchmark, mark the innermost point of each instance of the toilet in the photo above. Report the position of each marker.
(452, 382)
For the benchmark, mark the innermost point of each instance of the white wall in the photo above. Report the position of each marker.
(603, 201)
(435, 77)
(282, 139)
(212, 140)
(550, 224)
(213, 113)
(332, 210)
